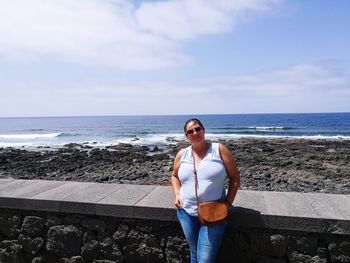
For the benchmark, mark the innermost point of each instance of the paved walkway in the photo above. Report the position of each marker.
(312, 212)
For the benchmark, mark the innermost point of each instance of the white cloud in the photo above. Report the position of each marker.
(298, 88)
(182, 19)
(115, 33)
(296, 80)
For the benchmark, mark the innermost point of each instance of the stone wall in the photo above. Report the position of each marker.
(34, 236)
(62, 221)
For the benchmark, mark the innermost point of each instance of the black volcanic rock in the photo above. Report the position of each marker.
(264, 164)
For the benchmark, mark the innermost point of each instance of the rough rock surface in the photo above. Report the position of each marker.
(88, 238)
(32, 226)
(265, 164)
(64, 240)
(10, 251)
(143, 247)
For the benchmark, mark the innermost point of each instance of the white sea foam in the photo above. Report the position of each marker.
(45, 140)
(167, 139)
(308, 137)
(266, 128)
(156, 139)
(29, 136)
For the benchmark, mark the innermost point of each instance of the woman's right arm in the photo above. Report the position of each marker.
(175, 182)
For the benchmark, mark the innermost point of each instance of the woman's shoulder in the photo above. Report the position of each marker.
(217, 146)
(224, 151)
(180, 153)
(183, 153)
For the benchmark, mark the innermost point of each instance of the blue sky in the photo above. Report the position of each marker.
(119, 57)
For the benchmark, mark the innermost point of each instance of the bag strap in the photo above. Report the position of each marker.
(195, 178)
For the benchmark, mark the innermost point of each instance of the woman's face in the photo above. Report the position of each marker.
(194, 132)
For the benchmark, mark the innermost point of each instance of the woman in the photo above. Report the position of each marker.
(214, 163)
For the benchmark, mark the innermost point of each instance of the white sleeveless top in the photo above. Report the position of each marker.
(211, 175)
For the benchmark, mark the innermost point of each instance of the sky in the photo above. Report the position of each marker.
(128, 57)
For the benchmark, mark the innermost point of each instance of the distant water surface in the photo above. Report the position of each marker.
(162, 130)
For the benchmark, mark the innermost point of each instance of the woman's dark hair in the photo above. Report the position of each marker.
(195, 121)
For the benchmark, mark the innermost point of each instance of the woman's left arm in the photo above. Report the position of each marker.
(232, 173)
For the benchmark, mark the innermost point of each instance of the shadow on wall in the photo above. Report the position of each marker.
(237, 243)
(245, 217)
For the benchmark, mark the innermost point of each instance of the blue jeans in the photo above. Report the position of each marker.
(204, 242)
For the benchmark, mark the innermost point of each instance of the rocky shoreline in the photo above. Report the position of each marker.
(265, 164)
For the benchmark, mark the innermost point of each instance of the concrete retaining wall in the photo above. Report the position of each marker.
(55, 221)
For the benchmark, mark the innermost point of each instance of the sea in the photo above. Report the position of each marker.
(99, 131)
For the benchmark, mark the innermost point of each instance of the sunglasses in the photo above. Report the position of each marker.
(197, 129)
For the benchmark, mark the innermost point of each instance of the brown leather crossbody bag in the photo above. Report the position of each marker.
(210, 213)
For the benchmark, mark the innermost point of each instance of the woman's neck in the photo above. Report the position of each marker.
(200, 147)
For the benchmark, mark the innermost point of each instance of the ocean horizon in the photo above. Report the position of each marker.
(167, 129)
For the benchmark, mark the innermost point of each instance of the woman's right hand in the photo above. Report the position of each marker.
(178, 201)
